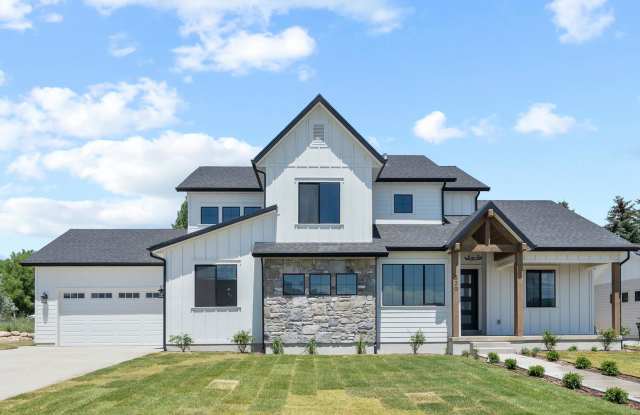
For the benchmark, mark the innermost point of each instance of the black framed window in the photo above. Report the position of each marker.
(229, 213)
(402, 203)
(251, 209)
(154, 294)
(319, 202)
(637, 295)
(74, 296)
(434, 284)
(209, 215)
(101, 295)
(413, 284)
(128, 295)
(216, 285)
(347, 284)
(319, 284)
(625, 297)
(541, 289)
(293, 284)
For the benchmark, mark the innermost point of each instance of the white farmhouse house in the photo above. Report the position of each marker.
(324, 238)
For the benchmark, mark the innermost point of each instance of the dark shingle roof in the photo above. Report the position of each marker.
(307, 249)
(221, 178)
(464, 181)
(102, 247)
(411, 236)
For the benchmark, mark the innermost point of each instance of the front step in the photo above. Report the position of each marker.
(485, 348)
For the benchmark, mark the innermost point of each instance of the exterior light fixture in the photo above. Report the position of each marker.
(161, 292)
(44, 297)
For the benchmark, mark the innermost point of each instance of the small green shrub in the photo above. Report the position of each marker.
(549, 340)
(583, 362)
(312, 346)
(416, 341)
(607, 337)
(573, 348)
(553, 356)
(510, 364)
(361, 345)
(594, 349)
(242, 339)
(616, 395)
(474, 353)
(525, 351)
(466, 353)
(572, 380)
(609, 368)
(493, 357)
(535, 351)
(183, 341)
(277, 346)
(21, 324)
(536, 371)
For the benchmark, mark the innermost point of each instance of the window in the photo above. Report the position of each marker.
(625, 297)
(101, 295)
(293, 284)
(154, 294)
(637, 297)
(402, 203)
(128, 295)
(216, 285)
(73, 296)
(209, 215)
(346, 284)
(319, 284)
(541, 288)
(413, 284)
(251, 209)
(229, 213)
(319, 203)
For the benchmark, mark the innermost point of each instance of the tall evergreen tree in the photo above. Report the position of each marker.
(182, 216)
(623, 219)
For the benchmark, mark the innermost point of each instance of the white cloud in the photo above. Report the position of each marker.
(120, 45)
(3, 78)
(13, 14)
(50, 114)
(53, 18)
(305, 73)
(541, 118)
(580, 20)
(484, 127)
(433, 129)
(27, 166)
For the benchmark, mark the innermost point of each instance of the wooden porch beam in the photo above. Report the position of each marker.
(487, 232)
(616, 287)
(455, 290)
(518, 293)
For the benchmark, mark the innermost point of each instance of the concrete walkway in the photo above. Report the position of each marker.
(26, 369)
(591, 379)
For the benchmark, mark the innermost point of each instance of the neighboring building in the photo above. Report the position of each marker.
(323, 237)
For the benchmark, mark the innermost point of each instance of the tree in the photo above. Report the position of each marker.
(17, 282)
(182, 217)
(565, 205)
(623, 219)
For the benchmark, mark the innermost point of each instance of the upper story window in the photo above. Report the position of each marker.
(541, 288)
(319, 202)
(216, 285)
(250, 209)
(402, 203)
(229, 213)
(209, 215)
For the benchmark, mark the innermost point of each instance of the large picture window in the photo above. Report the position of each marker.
(293, 284)
(216, 285)
(402, 203)
(319, 203)
(209, 215)
(541, 288)
(413, 284)
(319, 284)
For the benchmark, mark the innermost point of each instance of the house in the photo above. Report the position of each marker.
(323, 237)
(629, 297)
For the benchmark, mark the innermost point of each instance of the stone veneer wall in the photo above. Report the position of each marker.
(333, 319)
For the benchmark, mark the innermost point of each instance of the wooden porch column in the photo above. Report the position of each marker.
(518, 294)
(616, 287)
(455, 290)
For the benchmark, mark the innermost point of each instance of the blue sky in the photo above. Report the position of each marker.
(105, 105)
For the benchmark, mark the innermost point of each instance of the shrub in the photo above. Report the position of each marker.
(573, 348)
(535, 351)
(536, 371)
(583, 363)
(510, 364)
(616, 395)
(572, 380)
(361, 345)
(609, 368)
(552, 355)
(277, 346)
(525, 351)
(21, 324)
(312, 346)
(549, 340)
(183, 341)
(242, 339)
(594, 349)
(466, 353)
(474, 353)
(607, 337)
(416, 341)
(493, 357)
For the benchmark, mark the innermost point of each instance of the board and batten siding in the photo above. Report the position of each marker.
(459, 202)
(341, 158)
(427, 204)
(197, 200)
(228, 245)
(630, 314)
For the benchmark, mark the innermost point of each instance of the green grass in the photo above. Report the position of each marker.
(18, 324)
(177, 383)
(15, 345)
(628, 361)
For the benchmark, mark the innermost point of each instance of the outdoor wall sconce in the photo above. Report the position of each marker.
(161, 292)
(44, 297)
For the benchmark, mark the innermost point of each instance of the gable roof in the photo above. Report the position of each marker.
(464, 181)
(319, 99)
(221, 178)
(102, 247)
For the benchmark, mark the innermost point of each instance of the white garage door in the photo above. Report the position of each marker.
(110, 317)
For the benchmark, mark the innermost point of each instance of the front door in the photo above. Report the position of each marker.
(469, 299)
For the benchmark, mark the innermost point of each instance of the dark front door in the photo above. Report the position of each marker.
(469, 299)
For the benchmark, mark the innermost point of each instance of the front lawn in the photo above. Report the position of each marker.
(173, 383)
(628, 361)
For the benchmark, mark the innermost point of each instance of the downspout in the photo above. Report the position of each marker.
(164, 299)
(476, 202)
(620, 302)
(264, 187)
(444, 184)
(375, 296)
(264, 345)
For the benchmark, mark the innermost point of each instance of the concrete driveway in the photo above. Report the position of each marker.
(29, 368)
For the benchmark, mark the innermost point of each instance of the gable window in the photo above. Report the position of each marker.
(319, 284)
(402, 203)
(216, 285)
(251, 209)
(229, 213)
(293, 284)
(318, 132)
(319, 202)
(101, 295)
(208, 215)
(625, 297)
(413, 284)
(346, 284)
(541, 288)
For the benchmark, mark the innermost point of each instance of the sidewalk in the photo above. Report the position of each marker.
(591, 379)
